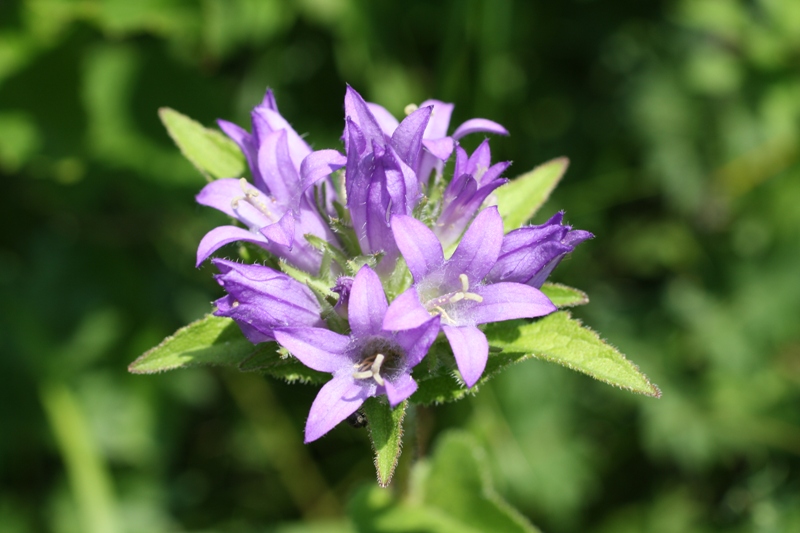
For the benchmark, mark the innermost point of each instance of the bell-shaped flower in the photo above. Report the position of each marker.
(529, 254)
(438, 146)
(273, 215)
(380, 181)
(371, 361)
(260, 299)
(474, 179)
(455, 290)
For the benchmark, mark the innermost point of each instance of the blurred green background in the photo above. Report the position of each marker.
(681, 120)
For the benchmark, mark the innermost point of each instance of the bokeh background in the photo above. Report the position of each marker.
(681, 120)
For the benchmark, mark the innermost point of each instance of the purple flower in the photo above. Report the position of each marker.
(474, 179)
(379, 175)
(279, 206)
(455, 290)
(529, 254)
(260, 299)
(438, 145)
(371, 361)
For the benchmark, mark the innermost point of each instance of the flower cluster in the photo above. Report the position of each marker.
(379, 258)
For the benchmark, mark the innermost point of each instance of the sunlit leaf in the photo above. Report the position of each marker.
(268, 359)
(564, 340)
(386, 432)
(212, 340)
(210, 151)
(563, 296)
(522, 197)
(450, 493)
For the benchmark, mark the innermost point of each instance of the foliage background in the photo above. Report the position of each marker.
(681, 119)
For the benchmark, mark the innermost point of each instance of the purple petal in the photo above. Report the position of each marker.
(356, 108)
(282, 232)
(440, 119)
(220, 194)
(367, 305)
(471, 350)
(407, 138)
(318, 348)
(416, 342)
(298, 148)
(479, 124)
(385, 120)
(319, 165)
(418, 244)
(480, 160)
(405, 312)
(277, 169)
(439, 148)
(269, 100)
(337, 399)
(400, 388)
(507, 301)
(222, 235)
(478, 250)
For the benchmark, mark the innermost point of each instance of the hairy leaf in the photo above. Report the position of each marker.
(564, 340)
(563, 296)
(386, 431)
(269, 359)
(522, 197)
(211, 152)
(212, 340)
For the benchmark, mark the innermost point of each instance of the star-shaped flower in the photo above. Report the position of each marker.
(371, 361)
(456, 292)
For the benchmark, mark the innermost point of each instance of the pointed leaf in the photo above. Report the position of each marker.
(270, 359)
(211, 152)
(449, 493)
(522, 197)
(212, 340)
(386, 432)
(563, 296)
(564, 340)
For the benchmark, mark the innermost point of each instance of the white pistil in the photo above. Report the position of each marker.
(373, 371)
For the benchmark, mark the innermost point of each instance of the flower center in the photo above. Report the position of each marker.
(251, 196)
(438, 305)
(380, 358)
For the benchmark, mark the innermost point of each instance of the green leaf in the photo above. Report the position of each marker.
(211, 152)
(458, 484)
(522, 197)
(269, 359)
(449, 493)
(564, 340)
(563, 296)
(386, 432)
(212, 340)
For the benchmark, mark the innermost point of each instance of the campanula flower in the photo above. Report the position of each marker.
(260, 299)
(371, 361)
(474, 179)
(455, 290)
(529, 254)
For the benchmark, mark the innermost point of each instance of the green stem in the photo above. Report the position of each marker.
(87, 472)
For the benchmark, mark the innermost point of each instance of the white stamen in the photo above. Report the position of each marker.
(464, 282)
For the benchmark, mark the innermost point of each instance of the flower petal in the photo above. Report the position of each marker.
(277, 169)
(439, 148)
(298, 148)
(385, 120)
(416, 342)
(318, 348)
(507, 301)
(407, 138)
(319, 165)
(400, 388)
(405, 312)
(479, 124)
(471, 350)
(367, 304)
(356, 108)
(478, 250)
(337, 399)
(222, 235)
(282, 232)
(440, 120)
(418, 244)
